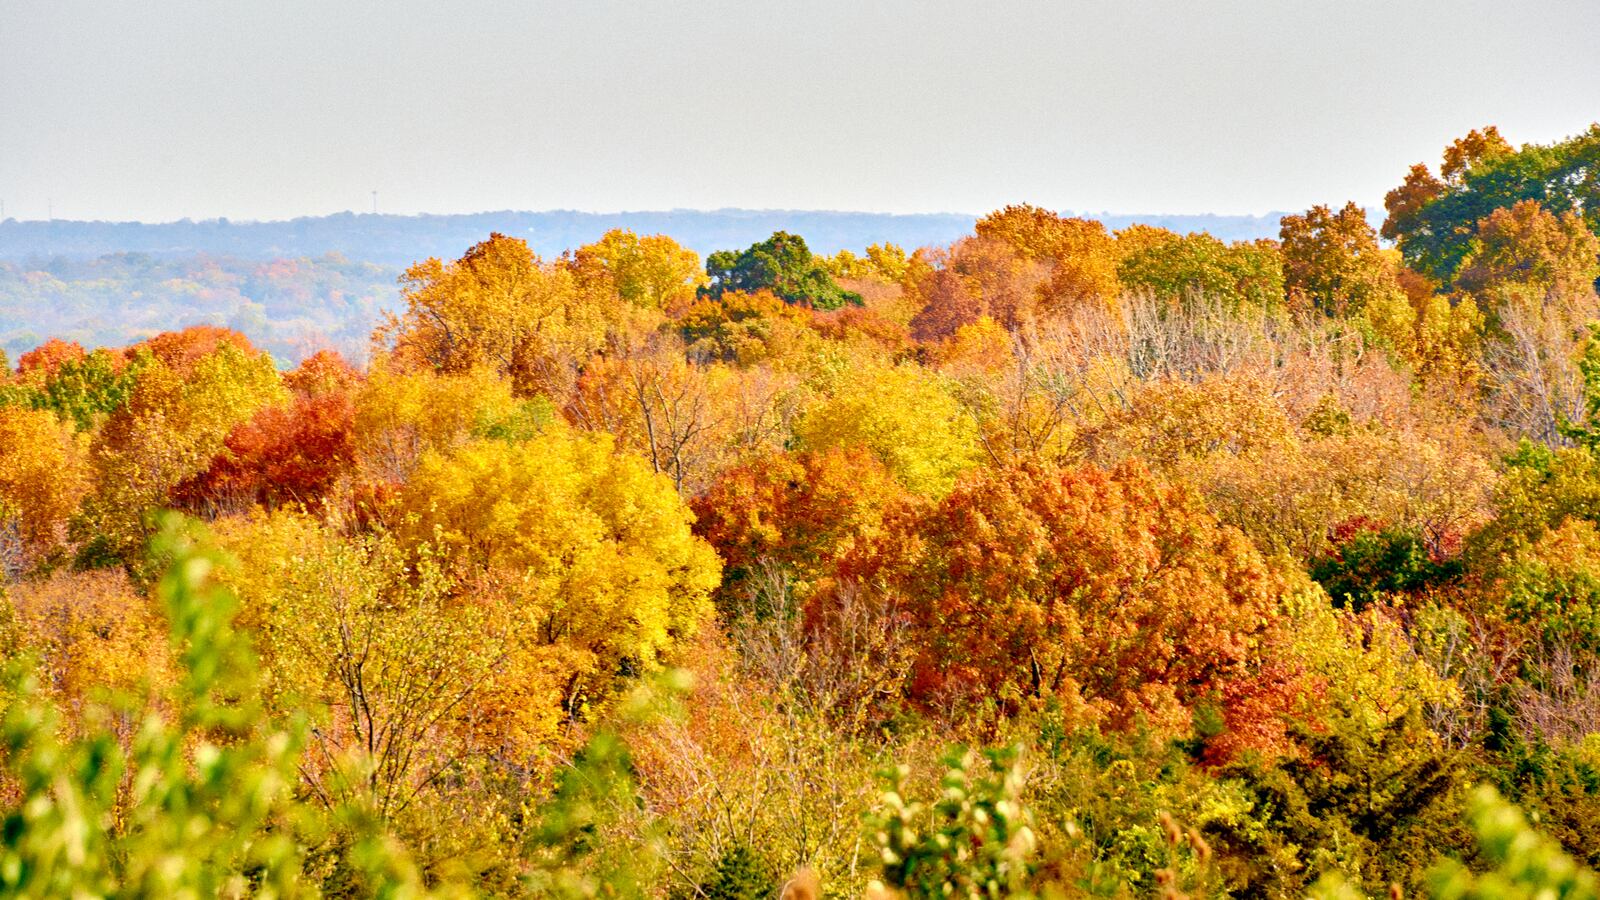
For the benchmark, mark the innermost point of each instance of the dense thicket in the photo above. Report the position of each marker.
(1253, 569)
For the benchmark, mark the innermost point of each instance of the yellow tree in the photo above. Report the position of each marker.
(394, 670)
(401, 414)
(907, 417)
(654, 271)
(93, 633)
(881, 262)
(1289, 498)
(193, 387)
(585, 551)
(1443, 342)
(44, 474)
(499, 306)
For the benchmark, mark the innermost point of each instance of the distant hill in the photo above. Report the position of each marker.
(400, 240)
(290, 307)
(298, 286)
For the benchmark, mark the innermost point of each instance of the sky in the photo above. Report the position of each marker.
(164, 109)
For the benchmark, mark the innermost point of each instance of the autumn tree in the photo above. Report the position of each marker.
(1540, 488)
(1444, 340)
(792, 516)
(399, 415)
(880, 262)
(1476, 149)
(1434, 219)
(744, 328)
(500, 307)
(653, 271)
(586, 553)
(47, 359)
(394, 673)
(93, 633)
(81, 387)
(1296, 494)
(1112, 592)
(1532, 273)
(202, 802)
(1553, 586)
(978, 278)
(1081, 254)
(193, 387)
(1332, 260)
(1525, 250)
(673, 412)
(1022, 407)
(294, 452)
(1178, 267)
(905, 416)
(1168, 422)
(44, 475)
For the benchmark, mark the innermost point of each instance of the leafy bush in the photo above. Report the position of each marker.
(202, 804)
(974, 841)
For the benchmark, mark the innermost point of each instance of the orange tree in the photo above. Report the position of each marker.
(293, 452)
(792, 515)
(1110, 591)
(1082, 255)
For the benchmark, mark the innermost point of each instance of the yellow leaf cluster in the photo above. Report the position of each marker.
(590, 549)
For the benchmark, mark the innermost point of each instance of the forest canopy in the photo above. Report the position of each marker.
(1054, 560)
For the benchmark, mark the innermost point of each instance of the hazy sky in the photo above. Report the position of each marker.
(160, 109)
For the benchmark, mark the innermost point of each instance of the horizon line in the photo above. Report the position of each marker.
(226, 220)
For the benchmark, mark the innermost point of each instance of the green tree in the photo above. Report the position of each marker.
(83, 389)
(1374, 805)
(1434, 219)
(1241, 274)
(782, 264)
(1366, 565)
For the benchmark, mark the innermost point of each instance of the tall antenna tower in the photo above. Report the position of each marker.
(374, 202)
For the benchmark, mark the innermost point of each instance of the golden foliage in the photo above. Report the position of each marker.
(44, 474)
(904, 415)
(95, 634)
(584, 549)
(500, 307)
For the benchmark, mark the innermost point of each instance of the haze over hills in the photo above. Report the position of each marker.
(394, 240)
(300, 285)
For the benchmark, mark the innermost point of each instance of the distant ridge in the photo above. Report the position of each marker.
(394, 240)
